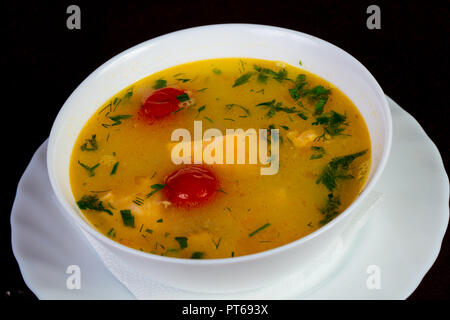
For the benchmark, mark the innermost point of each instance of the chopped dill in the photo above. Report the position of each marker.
(92, 202)
(209, 119)
(330, 210)
(156, 187)
(275, 107)
(217, 244)
(90, 144)
(183, 97)
(182, 241)
(265, 72)
(112, 233)
(160, 83)
(259, 229)
(127, 218)
(139, 201)
(90, 170)
(337, 169)
(197, 255)
(232, 105)
(242, 79)
(114, 168)
(318, 152)
(332, 123)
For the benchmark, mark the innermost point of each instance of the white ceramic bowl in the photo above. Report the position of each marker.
(218, 41)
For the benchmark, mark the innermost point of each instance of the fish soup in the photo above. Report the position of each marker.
(199, 198)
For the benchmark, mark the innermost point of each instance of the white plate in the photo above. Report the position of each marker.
(402, 238)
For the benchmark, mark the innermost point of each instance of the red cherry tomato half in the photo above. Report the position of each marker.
(190, 186)
(160, 104)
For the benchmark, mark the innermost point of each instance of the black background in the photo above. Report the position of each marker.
(45, 62)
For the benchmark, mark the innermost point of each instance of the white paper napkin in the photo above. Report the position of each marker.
(144, 288)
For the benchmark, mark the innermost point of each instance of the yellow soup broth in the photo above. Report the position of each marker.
(119, 162)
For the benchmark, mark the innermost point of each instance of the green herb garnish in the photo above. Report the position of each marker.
(197, 255)
(183, 97)
(117, 120)
(318, 152)
(116, 103)
(259, 229)
(90, 144)
(92, 202)
(278, 76)
(318, 109)
(127, 218)
(242, 79)
(178, 110)
(139, 201)
(209, 119)
(112, 233)
(330, 210)
(217, 244)
(156, 187)
(90, 170)
(298, 91)
(129, 94)
(217, 71)
(318, 94)
(114, 169)
(182, 241)
(302, 115)
(200, 110)
(262, 77)
(107, 107)
(337, 169)
(100, 191)
(232, 105)
(275, 107)
(160, 83)
(332, 123)
(158, 244)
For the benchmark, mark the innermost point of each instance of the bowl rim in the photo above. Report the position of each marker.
(85, 226)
